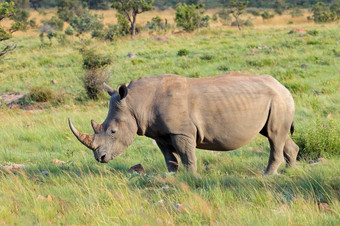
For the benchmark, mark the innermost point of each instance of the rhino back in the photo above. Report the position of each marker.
(222, 112)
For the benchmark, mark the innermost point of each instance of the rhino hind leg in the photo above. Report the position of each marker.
(170, 155)
(185, 147)
(275, 156)
(290, 152)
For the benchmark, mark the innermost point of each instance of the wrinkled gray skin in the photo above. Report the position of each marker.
(218, 113)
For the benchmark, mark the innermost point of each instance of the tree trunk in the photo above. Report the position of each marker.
(238, 23)
(133, 25)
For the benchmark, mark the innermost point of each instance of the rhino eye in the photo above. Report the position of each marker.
(113, 131)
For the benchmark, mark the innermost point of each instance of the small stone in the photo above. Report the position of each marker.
(297, 30)
(45, 173)
(47, 198)
(131, 55)
(304, 65)
(321, 160)
(159, 202)
(251, 149)
(180, 208)
(13, 166)
(323, 206)
(329, 116)
(71, 86)
(54, 81)
(138, 169)
(58, 161)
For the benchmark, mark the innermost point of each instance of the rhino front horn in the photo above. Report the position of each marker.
(85, 139)
(97, 128)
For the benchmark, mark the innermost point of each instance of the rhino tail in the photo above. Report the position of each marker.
(292, 128)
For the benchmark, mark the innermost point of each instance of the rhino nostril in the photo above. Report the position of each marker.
(101, 159)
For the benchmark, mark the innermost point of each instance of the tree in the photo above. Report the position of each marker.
(7, 10)
(189, 16)
(131, 8)
(237, 8)
(322, 13)
(67, 9)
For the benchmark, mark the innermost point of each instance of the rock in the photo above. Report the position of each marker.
(180, 208)
(297, 30)
(138, 169)
(10, 98)
(304, 65)
(329, 116)
(154, 142)
(13, 166)
(324, 206)
(58, 161)
(45, 173)
(71, 86)
(47, 198)
(131, 55)
(160, 38)
(159, 202)
(318, 160)
(321, 160)
(54, 81)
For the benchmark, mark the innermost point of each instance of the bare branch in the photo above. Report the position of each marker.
(7, 49)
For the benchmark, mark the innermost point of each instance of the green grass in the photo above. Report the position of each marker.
(230, 188)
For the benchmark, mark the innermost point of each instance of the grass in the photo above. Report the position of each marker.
(230, 188)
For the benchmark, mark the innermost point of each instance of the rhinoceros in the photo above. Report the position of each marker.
(220, 113)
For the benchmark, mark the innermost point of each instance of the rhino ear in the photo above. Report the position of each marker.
(123, 91)
(108, 89)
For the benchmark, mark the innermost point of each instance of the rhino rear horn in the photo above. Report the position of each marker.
(85, 139)
(97, 128)
(108, 89)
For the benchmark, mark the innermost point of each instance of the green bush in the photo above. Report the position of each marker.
(207, 57)
(41, 94)
(91, 60)
(246, 23)
(96, 74)
(55, 23)
(322, 13)
(319, 139)
(188, 16)
(254, 12)
(86, 22)
(267, 15)
(205, 21)
(69, 30)
(296, 12)
(183, 52)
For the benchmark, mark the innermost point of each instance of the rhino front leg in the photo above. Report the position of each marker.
(170, 155)
(185, 147)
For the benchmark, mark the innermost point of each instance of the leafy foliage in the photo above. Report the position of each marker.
(189, 16)
(67, 9)
(322, 13)
(236, 9)
(131, 8)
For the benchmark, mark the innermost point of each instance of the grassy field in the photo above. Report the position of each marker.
(230, 188)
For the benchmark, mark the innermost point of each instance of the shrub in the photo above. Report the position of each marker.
(207, 57)
(157, 24)
(205, 21)
(246, 23)
(188, 16)
(86, 22)
(267, 15)
(41, 94)
(93, 82)
(91, 60)
(54, 23)
(33, 23)
(95, 74)
(254, 12)
(69, 30)
(319, 139)
(323, 14)
(296, 12)
(183, 52)
(214, 17)
(313, 32)
(67, 9)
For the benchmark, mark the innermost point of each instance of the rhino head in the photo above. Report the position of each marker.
(116, 133)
